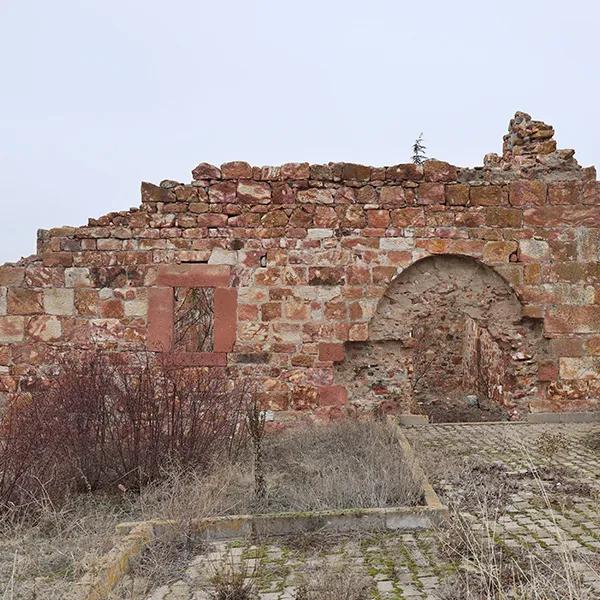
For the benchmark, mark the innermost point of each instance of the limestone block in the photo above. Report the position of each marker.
(77, 277)
(59, 301)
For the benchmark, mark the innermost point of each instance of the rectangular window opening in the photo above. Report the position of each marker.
(194, 319)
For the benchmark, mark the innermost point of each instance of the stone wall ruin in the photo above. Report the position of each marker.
(457, 292)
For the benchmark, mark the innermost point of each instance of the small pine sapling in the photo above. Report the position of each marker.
(419, 148)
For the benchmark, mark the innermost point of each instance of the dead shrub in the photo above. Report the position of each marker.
(332, 584)
(106, 425)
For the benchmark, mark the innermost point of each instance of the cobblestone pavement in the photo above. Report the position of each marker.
(409, 565)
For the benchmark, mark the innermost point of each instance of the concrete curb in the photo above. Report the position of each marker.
(408, 420)
(98, 582)
(564, 417)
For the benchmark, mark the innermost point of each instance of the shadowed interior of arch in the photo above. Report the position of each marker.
(448, 340)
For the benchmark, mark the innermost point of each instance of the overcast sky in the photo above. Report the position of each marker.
(97, 95)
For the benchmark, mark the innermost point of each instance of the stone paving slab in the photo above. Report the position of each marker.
(408, 565)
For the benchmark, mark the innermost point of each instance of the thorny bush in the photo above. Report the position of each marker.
(106, 424)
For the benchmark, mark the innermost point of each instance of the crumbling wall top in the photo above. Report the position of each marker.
(529, 149)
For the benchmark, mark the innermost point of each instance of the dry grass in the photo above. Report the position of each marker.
(336, 584)
(41, 559)
(487, 569)
(479, 494)
(349, 464)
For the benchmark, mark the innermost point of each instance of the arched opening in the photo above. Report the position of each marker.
(448, 340)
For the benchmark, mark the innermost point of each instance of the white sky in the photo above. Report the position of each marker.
(97, 95)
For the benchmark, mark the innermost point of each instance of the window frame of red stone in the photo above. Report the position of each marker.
(161, 312)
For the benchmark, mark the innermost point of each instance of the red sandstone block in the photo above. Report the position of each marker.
(325, 217)
(466, 247)
(44, 328)
(326, 276)
(58, 259)
(37, 275)
(10, 276)
(253, 192)
(296, 310)
(367, 194)
(437, 170)
(359, 332)
(393, 195)
(211, 220)
(528, 192)
(24, 301)
(161, 305)
(548, 371)
(112, 309)
(223, 192)
(408, 217)
(532, 273)
(8, 384)
(503, 217)
(295, 171)
(573, 319)
(487, 195)
(193, 275)
(225, 321)
(336, 311)
(332, 395)
(206, 171)
(11, 329)
(236, 170)
(355, 311)
(431, 193)
(356, 172)
(152, 194)
(351, 215)
(270, 311)
(404, 172)
(302, 360)
(247, 312)
(591, 345)
(434, 246)
(282, 193)
(357, 275)
(457, 194)
(564, 192)
(559, 216)
(275, 218)
(378, 218)
(331, 352)
(568, 346)
(383, 274)
(494, 252)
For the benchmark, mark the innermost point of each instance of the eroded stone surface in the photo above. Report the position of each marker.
(447, 328)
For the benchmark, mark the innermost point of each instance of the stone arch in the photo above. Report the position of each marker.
(448, 339)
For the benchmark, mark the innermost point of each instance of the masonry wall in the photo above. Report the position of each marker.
(298, 259)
